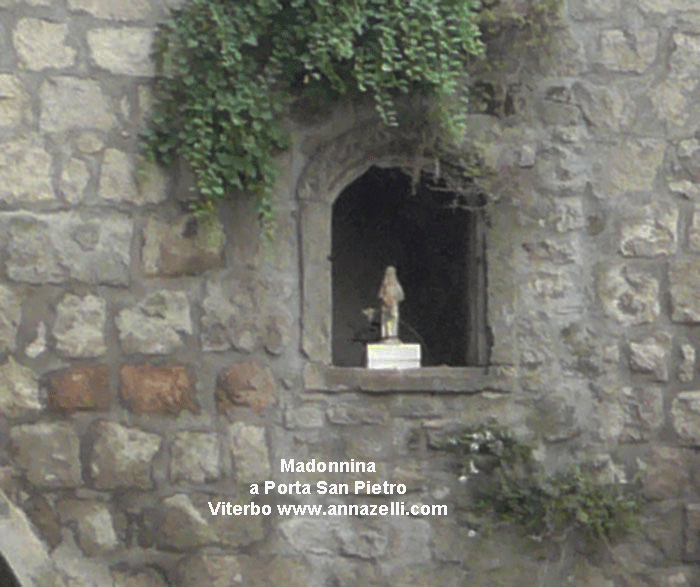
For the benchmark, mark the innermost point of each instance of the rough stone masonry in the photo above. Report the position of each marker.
(151, 364)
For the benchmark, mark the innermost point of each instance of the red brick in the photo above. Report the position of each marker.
(80, 388)
(245, 384)
(164, 389)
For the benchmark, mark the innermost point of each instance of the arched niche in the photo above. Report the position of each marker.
(335, 166)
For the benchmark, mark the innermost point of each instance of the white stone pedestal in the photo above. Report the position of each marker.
(393, 355)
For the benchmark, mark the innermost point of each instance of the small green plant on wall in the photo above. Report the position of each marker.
(227, 72)
(511, 486)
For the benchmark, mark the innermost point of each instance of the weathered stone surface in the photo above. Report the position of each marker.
(79, 388)
(52, 248)
(280, 570)
(245, 384)
(79, 326)
(41, 44)
(74, 180)
(94, 525)
(627, 51)
(353, 415)
(306, 417)
(360, 542)
(180, 526)
(227, 322)
(162, 389)
(632, 414)
(684, 279)
(187, 247)
(147, 577)
(206, 570)
(278, 333)
(68, 103)
(156, 324)
(593, 9)
(629, 295)
(25, 172)
(14, 101)
(694, 229)
(117, 181)
(113, 10)
(666, 6)
(249, 448)
(123, 51)
(649, 231)
(309, 535)
(19, 390)
(45, 518)
(685, 411)
(49, 453)
(651, 355)
(692, 533)
(630, 166)
(121, 456)
(38, 345)
(10, 316)
(604, 107)
(194, 457)
(410, 539)
(89, 142)
(686, 369)
(665, 472)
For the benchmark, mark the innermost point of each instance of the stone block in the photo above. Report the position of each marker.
(153, 389)
(68, 103)
(686, 368)
(666, 6)
(210, 570)
(685, 412)
(605, 107)
(155, 325)
(410, 539)
(14, 101)
(651, 355)
(393, 356)
(194, 457)
(649, 231)
(692, 532)
(627, 51)
(630, 166)
(124, 51)
(121, 456)
(593, 9)
(19, 390)
(180, 526)
(356, 415)
(145, 577)
(117, 180)
(79, 388)
(228, 315)
(249, 448)
(632, 414)
(664, 472)
(277, 333)
(628, 295)
(53, 248)
(684, 281)
(121, 10)
(74, 180)
(25, 172)
(45, 518)
(10, 316)
(245, 385)
(94, 525)
(79, 326)
(189, 246)
(281, 570)
(49, 453)
(306, 417)
(41, 44)
(694, 229)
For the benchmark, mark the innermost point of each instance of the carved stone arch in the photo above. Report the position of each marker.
(335, 165)
(23, 550)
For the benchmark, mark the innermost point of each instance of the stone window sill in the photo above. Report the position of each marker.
(450, 380)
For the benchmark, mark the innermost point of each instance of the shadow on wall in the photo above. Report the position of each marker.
(7, 576)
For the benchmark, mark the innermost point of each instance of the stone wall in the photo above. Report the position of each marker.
(151, 363)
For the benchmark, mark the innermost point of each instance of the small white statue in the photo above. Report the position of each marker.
(391, 294)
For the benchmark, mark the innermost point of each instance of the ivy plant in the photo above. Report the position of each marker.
(510, 485)
(228, 71)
